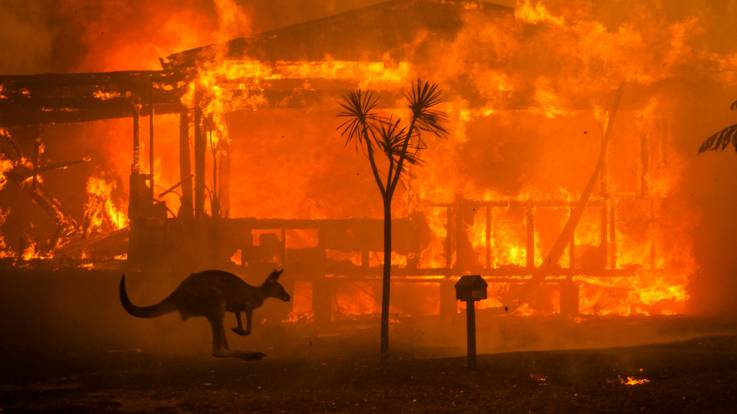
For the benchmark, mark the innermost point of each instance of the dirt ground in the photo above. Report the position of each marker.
(698, 375)
(68, 347)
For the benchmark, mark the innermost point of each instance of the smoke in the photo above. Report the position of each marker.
(28, 37)
(88, 35)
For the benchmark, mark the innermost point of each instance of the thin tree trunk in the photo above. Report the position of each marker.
(386, 280)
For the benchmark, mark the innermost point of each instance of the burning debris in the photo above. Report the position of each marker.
(633, 381)
(101, 215)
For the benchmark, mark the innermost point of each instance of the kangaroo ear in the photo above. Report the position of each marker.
(275, 274)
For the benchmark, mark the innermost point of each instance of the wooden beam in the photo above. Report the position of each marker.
(185, 170)
(572, 246)
(224, 182)
(199, 159)
(488, 238)
(530, 237)
(151, 139)
(136, 166)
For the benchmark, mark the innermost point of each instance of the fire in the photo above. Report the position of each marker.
(547, 100)
(655, 286)
(535, 13)
(100, 212)
(237, 257)
(5, 164)
(32, 251)
(528, 108)
(302, 306)
(228, 85)
(106, 95)
(5, 167)
(4, 250)
(633, 381)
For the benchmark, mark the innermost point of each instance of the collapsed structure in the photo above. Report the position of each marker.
(555, 251)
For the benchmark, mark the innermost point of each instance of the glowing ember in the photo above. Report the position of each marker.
(5, 167)
(633, 381)
(237, 258)
(4, 250)
(32, 252)
(106, 95)
(538, 377)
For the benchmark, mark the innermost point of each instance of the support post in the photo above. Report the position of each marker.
(572, 247)
(644, 164)
(185, 170)
(604, 236)
(459, 231)
(488, 237)
(215, 189)
(530, 251)
(471, 332)
(151, 139)
(136, 186)
(604, 191)
(199, 159)
(136, 167)
(448, 245)
(612, 236)
(224, 172)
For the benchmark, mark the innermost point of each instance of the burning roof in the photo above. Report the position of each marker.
(374, 33)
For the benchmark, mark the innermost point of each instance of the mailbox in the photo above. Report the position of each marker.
(471, 288)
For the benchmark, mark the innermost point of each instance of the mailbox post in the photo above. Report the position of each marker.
(471, 288)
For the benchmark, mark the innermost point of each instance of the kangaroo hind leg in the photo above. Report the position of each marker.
(215, 317)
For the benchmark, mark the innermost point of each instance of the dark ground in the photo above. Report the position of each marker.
(67, 346)
(698, 375)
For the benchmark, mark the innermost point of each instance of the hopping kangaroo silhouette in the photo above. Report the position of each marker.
(210, 294)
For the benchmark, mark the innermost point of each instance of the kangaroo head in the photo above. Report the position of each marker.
(273, 288)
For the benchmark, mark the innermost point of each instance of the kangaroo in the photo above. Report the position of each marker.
(211, 294)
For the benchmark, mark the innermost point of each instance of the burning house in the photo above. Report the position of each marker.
(556, 183)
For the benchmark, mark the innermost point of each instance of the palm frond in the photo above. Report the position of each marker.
(422, 98)
(359, 109)
(392, 136)
(720, 140)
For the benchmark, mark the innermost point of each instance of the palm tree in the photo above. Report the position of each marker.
(400, 144)
(720, 140)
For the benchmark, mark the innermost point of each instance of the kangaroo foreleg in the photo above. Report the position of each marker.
(239, 329)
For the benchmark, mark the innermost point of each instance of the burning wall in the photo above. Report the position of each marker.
(529, 92)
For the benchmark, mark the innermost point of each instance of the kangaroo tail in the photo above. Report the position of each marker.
(165, 306)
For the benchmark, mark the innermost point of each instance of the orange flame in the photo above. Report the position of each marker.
(100, 212)
(633, 381)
